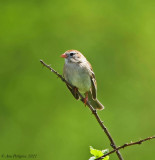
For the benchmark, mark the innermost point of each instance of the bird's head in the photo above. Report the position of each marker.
(73, 56)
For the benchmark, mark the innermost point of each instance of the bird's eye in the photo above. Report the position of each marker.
(71, 54)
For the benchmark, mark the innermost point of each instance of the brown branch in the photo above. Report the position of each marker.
(126, 145)
(94, 112)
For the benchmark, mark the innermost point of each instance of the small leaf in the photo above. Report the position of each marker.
(105, 152)
(95, 152)
(106, 158)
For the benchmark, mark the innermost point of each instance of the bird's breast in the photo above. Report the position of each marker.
(78, 76)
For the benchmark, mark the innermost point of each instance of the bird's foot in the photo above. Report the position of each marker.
(86, 98)
(75, 90)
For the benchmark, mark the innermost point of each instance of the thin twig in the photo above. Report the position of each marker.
(94, 112)
(126, 145)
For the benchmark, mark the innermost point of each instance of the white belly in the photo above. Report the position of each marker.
(78, 76)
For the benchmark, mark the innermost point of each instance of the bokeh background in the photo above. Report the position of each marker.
(38, 115)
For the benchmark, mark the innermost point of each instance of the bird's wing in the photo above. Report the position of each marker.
(94, 86)
(93, 82)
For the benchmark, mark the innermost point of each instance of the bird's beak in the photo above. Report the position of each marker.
(63, 55)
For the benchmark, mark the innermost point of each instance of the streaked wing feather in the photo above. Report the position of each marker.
(94, 86)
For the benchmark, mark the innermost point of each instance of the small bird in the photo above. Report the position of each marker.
(78, 72)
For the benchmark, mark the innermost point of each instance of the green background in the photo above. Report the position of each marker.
(38, 115)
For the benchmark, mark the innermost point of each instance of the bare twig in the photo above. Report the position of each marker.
(112, 143)
(126, 145)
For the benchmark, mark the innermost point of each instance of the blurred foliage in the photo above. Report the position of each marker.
(38, 115)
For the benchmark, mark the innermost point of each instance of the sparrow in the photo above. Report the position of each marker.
(78, 72)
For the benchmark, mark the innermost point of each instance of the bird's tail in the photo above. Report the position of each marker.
(96, 104)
